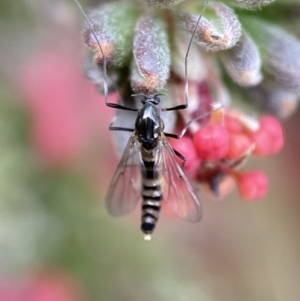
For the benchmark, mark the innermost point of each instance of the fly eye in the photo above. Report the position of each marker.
(144, 100)
(156, 100)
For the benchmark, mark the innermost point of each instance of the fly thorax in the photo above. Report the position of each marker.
(148, 126)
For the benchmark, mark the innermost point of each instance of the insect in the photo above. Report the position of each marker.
(148, 169)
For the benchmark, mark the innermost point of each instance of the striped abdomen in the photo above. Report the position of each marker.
(151, 192)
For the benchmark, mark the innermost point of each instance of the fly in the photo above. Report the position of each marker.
(148, 169)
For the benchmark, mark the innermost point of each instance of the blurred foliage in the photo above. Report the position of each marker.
(9, 12)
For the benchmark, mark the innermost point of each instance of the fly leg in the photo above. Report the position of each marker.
(117, 128)
(181, 156)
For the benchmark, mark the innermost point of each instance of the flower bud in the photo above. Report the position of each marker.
(113, 26)
(211, 142)
(273, 100)
(221, 32)
(252, 3)
(253, 185)
(239, 146)
(186, 147)
(280, 52)
(152, 58)
(197, 60)
(94, 72)
(165, 3)
(283, 61)
(243, 62)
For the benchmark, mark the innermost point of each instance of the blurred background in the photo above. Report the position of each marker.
(57, 157)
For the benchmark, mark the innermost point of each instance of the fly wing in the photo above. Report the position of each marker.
(125, 188)
(178, 191)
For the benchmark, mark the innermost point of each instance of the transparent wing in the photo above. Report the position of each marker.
(179, 195)
(125, 188)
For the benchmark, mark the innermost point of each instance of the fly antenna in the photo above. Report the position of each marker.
(102, 52)
(186, 88)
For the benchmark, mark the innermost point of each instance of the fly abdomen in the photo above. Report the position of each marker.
(152, 196)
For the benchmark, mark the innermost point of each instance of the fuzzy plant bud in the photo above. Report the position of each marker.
(220, 32)
(243, 62)
(273, 100)
(164, 3)
(94, 72)
(280, 52)
(284, 64)
(152, 58)
(252, 3)
(197, 60)
(113, 24)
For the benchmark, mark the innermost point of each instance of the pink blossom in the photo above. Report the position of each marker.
(67, 113)
(47, 285)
